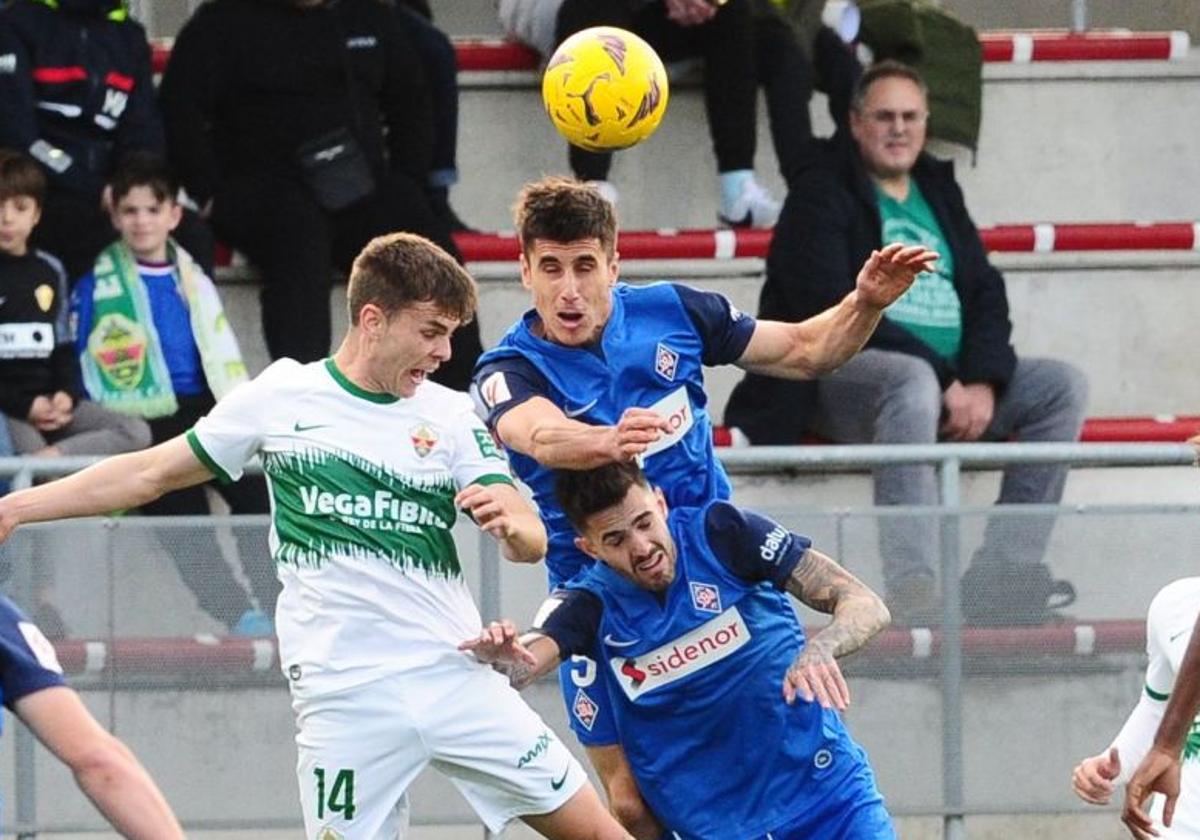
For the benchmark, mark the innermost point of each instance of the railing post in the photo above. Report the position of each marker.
(24, 744)
(953, 827)
(1079, 15)
(489, 600)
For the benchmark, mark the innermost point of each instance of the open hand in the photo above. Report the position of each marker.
(636, 430)
(499, 642)
(1158, 773)
(816, 675)
(887, 274)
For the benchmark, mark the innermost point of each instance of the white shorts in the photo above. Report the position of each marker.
(360, 750)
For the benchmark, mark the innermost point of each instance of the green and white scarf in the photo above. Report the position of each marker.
(123, 365)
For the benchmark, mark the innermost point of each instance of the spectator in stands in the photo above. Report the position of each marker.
(441, 67)
(104, 768)
(723, 36)
(76, 94)
(39, 379)
(153, 342)
(304, 128)
(939, 367)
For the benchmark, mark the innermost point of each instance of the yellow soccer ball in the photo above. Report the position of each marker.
(604, 89)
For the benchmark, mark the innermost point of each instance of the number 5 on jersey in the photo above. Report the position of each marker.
(341, 794)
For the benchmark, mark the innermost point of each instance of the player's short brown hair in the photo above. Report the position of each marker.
(880, 70)
(584, 493)
(564, 210)
(401, 269)
(20, 175)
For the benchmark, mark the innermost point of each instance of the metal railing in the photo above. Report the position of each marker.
(949, 459)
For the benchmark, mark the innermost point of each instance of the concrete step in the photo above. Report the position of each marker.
(1065, 142)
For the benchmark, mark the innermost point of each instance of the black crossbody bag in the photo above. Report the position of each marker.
(335, 166)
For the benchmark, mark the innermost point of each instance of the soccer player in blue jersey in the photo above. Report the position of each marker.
(600, 371)
(728, 716)
(32, 687)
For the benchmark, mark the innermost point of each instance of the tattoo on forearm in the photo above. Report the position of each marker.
(858, 613)
(520, 674)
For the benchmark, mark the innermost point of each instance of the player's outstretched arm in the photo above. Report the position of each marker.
(538, 428)
(104, 768)
(500, 510)
(522, 659)
(825, 341)
(119, 482)
(858, 614)
(1158, 772)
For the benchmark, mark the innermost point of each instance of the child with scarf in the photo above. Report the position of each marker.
(153, 341)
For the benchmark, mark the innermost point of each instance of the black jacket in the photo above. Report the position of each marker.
(81, 83)
(37, 355)
(249, 81)
(829, 225)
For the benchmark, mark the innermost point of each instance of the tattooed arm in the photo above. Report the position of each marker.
(522, 659)
(858, 614)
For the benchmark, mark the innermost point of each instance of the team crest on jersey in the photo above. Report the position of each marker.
(424, 439)
(44, 295)
(585, 709)
(706, 597)
(118, 344)
(666, 361)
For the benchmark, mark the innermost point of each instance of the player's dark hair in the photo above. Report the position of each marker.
(584, 493)
(401, 269)
(144, 169)
(877, 72)
(21, 176)
(564, 210)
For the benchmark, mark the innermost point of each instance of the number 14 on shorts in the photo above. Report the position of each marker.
(340, 794)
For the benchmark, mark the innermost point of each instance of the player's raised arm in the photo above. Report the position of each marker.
(500, 510)
(538, 428)
(116, 483)
(820, 344)
(858, 614)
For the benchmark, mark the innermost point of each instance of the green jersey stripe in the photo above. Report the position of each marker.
(206, 459)
(355, 390)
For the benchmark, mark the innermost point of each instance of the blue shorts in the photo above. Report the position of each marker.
(585, 693)
(869, 820)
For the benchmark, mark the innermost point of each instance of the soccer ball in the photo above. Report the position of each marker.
(605, 89)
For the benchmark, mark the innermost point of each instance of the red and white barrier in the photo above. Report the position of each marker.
(708, 244)
(1026, 47)
(497, 55)
(142, 657)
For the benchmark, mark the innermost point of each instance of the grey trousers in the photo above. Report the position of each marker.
(886, 397)
(93, 430)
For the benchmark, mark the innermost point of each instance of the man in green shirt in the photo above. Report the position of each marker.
(940, 366)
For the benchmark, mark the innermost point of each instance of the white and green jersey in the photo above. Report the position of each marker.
(1169, 623)
(362, 492)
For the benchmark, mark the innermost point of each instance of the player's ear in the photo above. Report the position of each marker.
(586, 547)
(526, 271)
(660, 501)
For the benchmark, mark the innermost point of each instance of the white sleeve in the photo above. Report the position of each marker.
(477, 458)
(232, 433)
(1137, 735)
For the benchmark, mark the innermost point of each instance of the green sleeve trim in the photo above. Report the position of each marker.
(206, 459)
(1154, 695)
(494, 478)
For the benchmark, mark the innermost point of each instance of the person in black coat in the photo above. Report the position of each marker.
(76, 94)
(276, 113)
(940, 366)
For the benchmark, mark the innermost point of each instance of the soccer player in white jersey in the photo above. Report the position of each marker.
(367, 464)
(1169, 624)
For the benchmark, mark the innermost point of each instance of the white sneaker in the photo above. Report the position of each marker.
(753, 208)
(607, 189)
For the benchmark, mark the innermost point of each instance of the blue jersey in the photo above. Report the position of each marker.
(27, 659)
(699, 673)
(652, 355)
